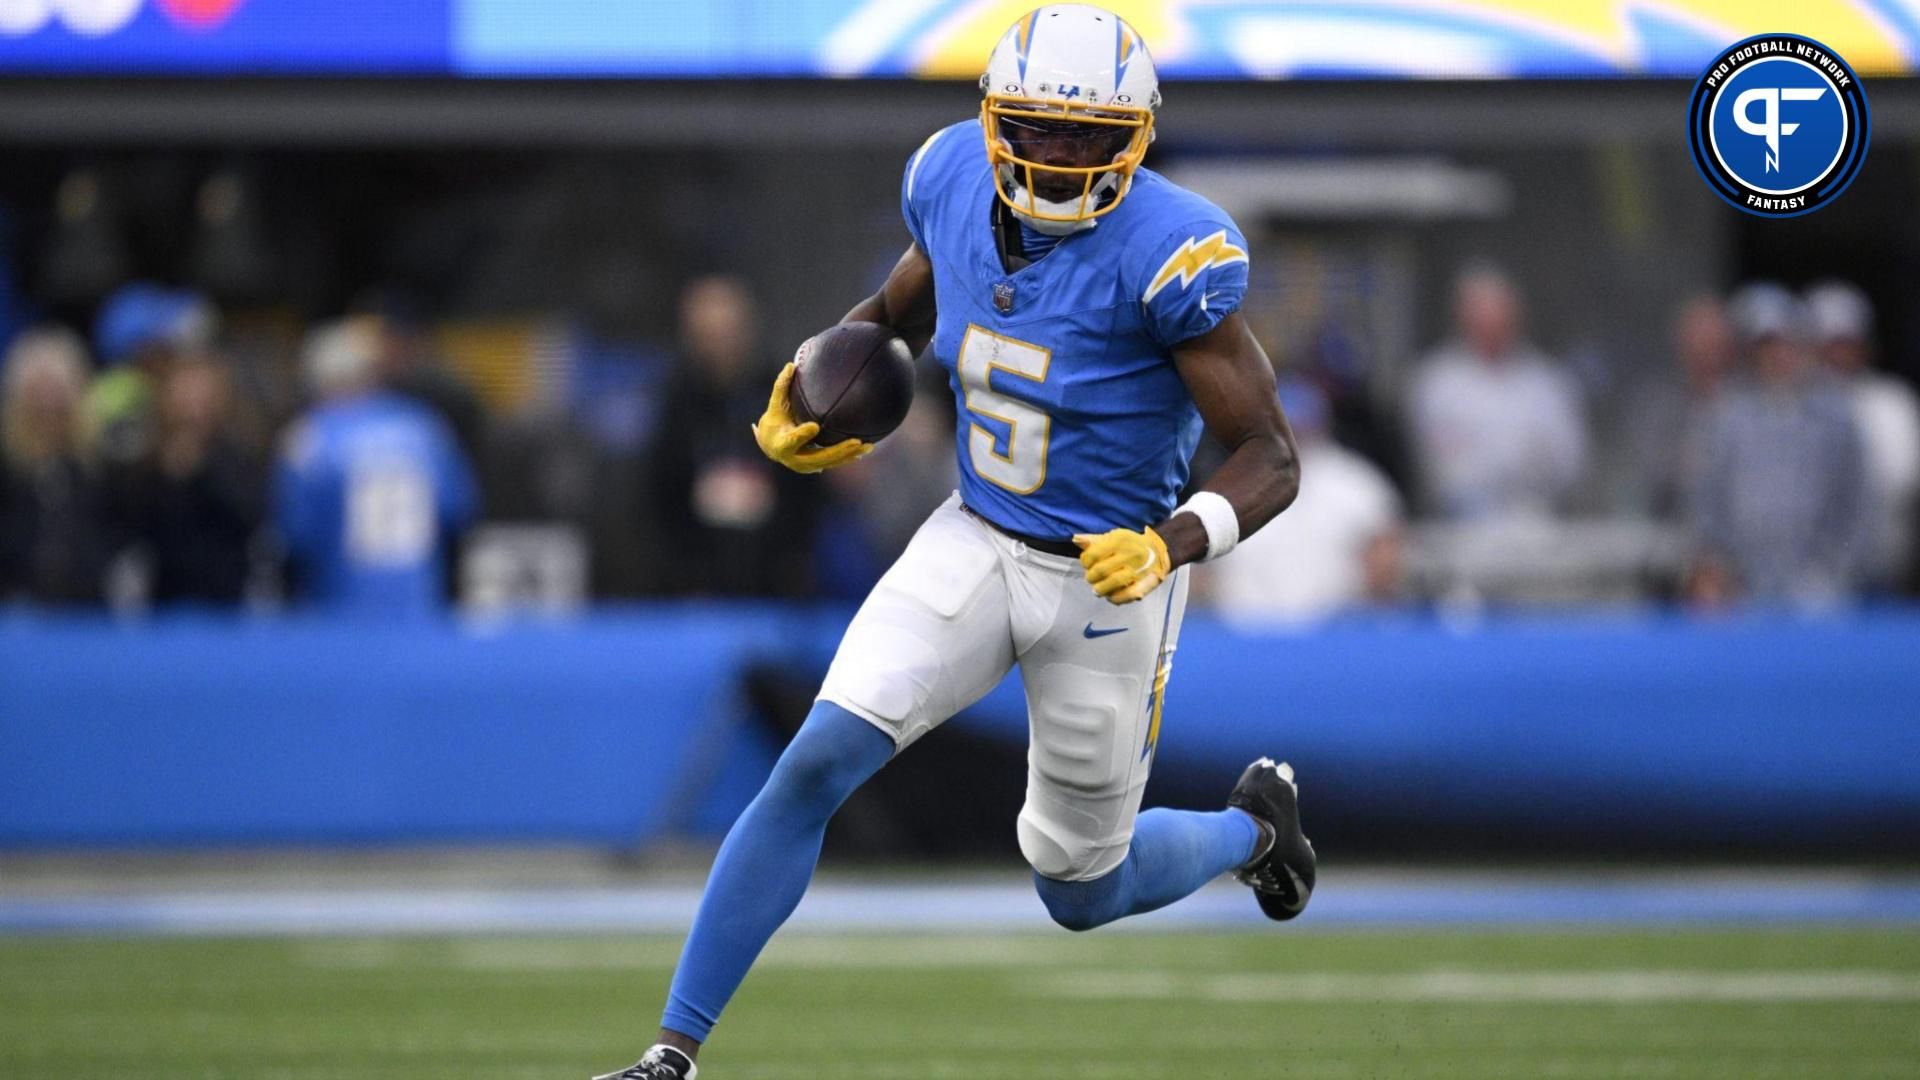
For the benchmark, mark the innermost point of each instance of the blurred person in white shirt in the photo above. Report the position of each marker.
(1887, 413)
(1498, 428)
(1338, 547)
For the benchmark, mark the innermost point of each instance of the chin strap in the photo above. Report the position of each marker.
(1044, 225)
(1006, 238)
(1105, 191)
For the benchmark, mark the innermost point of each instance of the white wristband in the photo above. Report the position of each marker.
(1217, 517)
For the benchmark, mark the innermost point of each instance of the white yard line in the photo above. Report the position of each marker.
(1488, 987)
(1002, 905)
(1062, 979)
(583, 954)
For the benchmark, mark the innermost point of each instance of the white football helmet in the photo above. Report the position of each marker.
(1070, 93)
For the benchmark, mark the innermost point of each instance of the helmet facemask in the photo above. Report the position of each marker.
(1063, 163)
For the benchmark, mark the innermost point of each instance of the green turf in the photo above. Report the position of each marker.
(1787, 1003)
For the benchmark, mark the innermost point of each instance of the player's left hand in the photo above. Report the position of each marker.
(1124, 565)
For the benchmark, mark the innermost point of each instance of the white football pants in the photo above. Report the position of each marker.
(963, 604)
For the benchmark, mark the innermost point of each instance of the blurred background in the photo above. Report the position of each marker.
(383, 546)
(376, 494)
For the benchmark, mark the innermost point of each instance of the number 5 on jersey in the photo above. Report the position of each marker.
(1023, 468)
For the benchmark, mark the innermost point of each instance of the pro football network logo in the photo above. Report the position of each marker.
(1778, 125)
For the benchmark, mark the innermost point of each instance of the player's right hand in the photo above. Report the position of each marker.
(787, 442)
(1123, 565)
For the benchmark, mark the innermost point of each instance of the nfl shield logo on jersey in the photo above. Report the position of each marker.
(1003, 296)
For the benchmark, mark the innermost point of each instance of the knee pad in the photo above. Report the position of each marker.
(1056, 850)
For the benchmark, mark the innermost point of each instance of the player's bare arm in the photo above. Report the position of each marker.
(905, 302)
(1231, 381)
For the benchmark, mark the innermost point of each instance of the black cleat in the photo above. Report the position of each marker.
(1281, 874)
(659, 1063)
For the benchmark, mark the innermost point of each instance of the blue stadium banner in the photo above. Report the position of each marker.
(1214, 39)
(225, 37)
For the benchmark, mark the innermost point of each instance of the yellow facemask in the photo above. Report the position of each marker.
(997, 110)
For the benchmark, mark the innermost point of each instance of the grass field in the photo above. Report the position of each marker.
(1442, 1003)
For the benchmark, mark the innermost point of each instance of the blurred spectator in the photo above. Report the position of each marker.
(1888, 417)
(230, 254)
(1337, 361)
(412, 365)
(195, 502)
(734, 523)
(55, 540)
(1781, 510)
(1669, 414)
(1497, 427)
(86, 254)
(140, 329)
(1339, 545)
(372, 489)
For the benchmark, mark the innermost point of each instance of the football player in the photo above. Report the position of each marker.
(1087, 313)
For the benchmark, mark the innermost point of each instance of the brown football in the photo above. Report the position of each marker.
(855, 380)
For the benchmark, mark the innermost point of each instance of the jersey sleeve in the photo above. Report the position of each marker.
(913, 192)
(1194, 277)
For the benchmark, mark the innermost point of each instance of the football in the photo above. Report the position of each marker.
(855, 380)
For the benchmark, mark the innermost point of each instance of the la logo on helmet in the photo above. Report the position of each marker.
(1778, 125)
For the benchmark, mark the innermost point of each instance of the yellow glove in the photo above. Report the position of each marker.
(1123, 565)
(786, 442)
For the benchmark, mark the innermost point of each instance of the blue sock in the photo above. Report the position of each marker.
(767, 859)
(1173, 853)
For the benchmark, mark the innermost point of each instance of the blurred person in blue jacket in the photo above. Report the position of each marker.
(372, 490)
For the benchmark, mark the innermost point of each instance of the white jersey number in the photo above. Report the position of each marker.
(1023, 468)
(390, 515)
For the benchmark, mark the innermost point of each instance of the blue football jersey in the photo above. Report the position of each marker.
(367, 493)
(1073, 418)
